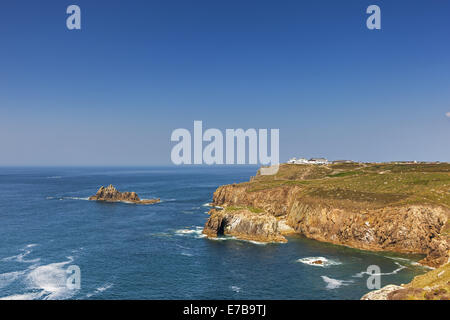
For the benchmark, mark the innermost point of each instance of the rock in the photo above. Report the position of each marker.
(243, 224)
(381, 294)
(317, 262)
(111, 194)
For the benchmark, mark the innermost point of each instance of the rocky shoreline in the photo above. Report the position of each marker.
(111, 194)
(376, 207)
(277, 212)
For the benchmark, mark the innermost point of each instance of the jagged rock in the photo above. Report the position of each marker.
(111, 194)
(243, 224)
(381, 294)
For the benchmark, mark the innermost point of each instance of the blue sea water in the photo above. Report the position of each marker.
(128, 251)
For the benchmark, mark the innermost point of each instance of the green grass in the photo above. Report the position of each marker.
(373, 184)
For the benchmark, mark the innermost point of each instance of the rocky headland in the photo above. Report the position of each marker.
(111, 194)
(380, 207)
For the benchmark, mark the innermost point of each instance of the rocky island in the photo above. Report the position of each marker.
(111, 194)
(380, 207)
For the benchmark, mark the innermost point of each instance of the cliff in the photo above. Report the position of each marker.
(244, 224)
(391, 207)
(111, 194)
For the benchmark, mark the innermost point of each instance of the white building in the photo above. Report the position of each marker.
(310, 161)
(318, 161)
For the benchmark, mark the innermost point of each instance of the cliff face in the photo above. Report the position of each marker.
(408, 228)
(111, 194)
(411, 229)
(244, 224)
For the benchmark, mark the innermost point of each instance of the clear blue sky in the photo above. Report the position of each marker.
(111, 93)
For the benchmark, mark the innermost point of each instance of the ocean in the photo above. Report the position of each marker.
(129, 251)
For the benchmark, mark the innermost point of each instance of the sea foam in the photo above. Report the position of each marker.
(195, 232)
(39, 281)
(335, 283)
(400, 268)
(325, 262)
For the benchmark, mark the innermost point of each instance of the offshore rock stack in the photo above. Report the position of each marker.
(111, 194)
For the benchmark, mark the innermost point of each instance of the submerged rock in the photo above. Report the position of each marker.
(111, 194)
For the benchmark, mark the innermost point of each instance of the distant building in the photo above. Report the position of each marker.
(310, 161)
(318, 161)
(302, 161)
(342, 161)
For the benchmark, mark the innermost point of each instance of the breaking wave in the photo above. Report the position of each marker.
(195, 232)
(9, 277)
(400, 268)
(235, 289)
(21, 256)
(47, 282)
(100, 290)
(67, 198)
(335, 283)
(325, 262)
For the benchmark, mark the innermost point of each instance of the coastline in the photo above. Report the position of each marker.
(320, 208)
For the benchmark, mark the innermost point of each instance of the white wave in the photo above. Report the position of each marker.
(9, 277)
(417, 264)
(325, 262)
(400, 268)
(197, 232)
(335, 283)
(75, 198)
(187, 254)
(222, 238)
(21, 256)
(42, 282)
(24, 296)
(51, 280)
(259, 243)
(67, 198)
(54, 177)
(235, 289)
(100, 290)
(226, 238)
(207, 204)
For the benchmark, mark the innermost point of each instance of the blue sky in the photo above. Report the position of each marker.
(112, 93)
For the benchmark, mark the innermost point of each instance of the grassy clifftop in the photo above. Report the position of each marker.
(364, 185)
